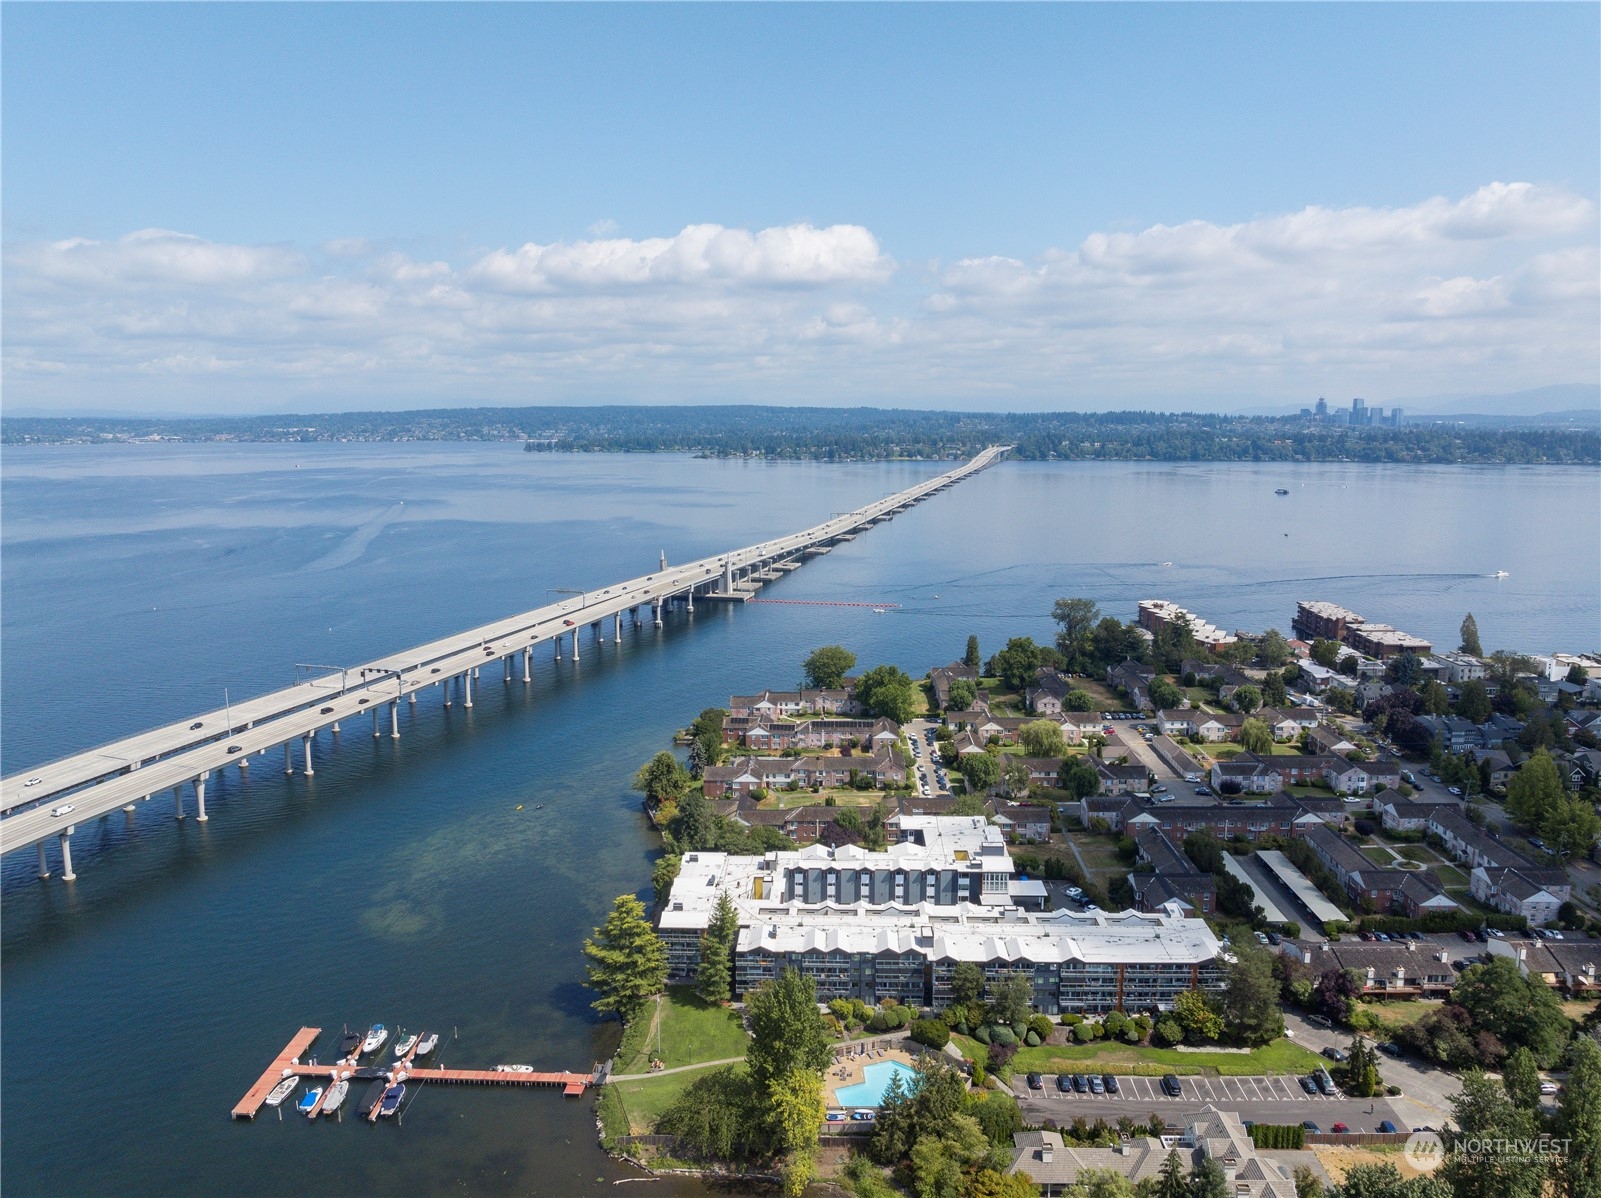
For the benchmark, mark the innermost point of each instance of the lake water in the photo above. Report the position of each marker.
(401, 884)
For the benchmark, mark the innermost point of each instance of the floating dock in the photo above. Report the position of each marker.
(288, 1061)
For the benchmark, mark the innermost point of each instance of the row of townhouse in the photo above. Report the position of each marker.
(1215, 727)
(1499, 876)
(1406, 970)
(1268, 775)
(1171, 877)
(744, 775)
(773, 705)
(896, 923)
(1281, 816)
(1133, 680)
(1076, 726)
(1573, 966)
(1407, 892)
(765, 735)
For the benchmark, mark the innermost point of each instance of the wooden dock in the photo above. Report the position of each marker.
(288, 1061)
(247, 1106)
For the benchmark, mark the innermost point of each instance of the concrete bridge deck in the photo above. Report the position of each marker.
(50, 800)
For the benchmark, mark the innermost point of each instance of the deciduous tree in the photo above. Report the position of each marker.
(1251, 999)
(826, 667)
(1075, 618)
(787, 1031)
(887, 692)
(1247, 699)
(1042, 738)
(1255, 737)
(1578, 1120)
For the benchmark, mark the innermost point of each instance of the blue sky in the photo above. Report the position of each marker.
(993, 206)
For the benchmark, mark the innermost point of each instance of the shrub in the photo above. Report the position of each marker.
(1072, 1019)
(878, 1023)
(982, 1033)
(1002, 1034)
(1040, 1025)
(1083, 1033)
(1168, 1032)
(1032, 1040)
(1278, 1135)
(930, 1032)
(1133, 1034)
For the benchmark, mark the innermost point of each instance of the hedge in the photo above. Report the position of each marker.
(1278, 1135)
(930, 1032)
(1442, 921)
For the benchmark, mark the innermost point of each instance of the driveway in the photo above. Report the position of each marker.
(1426, 1090)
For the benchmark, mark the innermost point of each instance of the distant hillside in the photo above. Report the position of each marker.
(847, 434)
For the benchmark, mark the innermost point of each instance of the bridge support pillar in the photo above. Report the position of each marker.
(334, 729)
(412, 698)
(575, 644)
(177, 800)
(66, 856)
(200, 799)
(375, 732)
(467, 689)
(556, 640)
(475, 671)
(44, 865)
(394, 720)
(617, 629)
(506, 661)
(528, 664)
(289, 762)
(306, 741)
(656, 613)
(690, 601)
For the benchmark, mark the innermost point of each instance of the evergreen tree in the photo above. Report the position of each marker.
(971, 659)
(1578, 1121)
(1207, 1180)
(713, 981)
(1470, 636)
(1489, 1125)
(787, 1032)
(1171, 1183)
(628, 961)
(1520, 1077)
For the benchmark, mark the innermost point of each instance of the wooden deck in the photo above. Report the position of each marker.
(257, 1094)
(570, 1084)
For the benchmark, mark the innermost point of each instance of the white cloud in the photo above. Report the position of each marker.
(1496, 290)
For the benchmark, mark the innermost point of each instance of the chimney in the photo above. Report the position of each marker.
(1523, 954)
(1444, 956)
(1411, 946)
(1045, 1155)
(1230, 1167)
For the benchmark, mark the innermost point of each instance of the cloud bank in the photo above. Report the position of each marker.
(1494, 290)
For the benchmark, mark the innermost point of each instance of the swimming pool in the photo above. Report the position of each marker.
(871, 1091)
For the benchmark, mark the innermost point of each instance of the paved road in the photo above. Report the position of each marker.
(1426, 1090)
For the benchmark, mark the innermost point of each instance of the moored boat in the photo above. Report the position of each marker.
(308, 1101)
(373, 1096)
(427, 1043)
(390, 1103)
(336, 1096)
(350, 1045)
(282, 1090)
(405, 1046)
(1282, 491)
(376, 1035)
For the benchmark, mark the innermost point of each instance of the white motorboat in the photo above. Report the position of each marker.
(404, 1046)
(429, 1042)
(336, 1095)
(376, 1035)
(514, 1068)
(283, 1090)
(309, 1100)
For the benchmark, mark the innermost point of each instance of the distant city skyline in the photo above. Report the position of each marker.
(231, 209)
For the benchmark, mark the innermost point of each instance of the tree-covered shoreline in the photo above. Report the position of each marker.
(859, 434)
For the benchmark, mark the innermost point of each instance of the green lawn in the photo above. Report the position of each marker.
(1378, 855)
(1396, 1015)
(1281, 1056)
(646, 1099)
(783, 800)
(688, 1031)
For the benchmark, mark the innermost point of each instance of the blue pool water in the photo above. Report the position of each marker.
(871, 1091)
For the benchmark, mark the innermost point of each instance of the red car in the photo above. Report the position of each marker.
(1339, 1129)
(568, 623)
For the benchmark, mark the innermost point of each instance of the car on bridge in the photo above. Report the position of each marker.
(64, 809)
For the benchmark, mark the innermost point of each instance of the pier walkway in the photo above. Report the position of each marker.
(48, 801)
(288, 1062)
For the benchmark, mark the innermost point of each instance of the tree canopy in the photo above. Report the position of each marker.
(627, 960)
(887, 692)
(826, 667)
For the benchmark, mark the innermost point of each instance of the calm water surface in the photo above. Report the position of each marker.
(401, 884)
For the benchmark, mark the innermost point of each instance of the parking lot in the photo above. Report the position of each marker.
(1261, 1099)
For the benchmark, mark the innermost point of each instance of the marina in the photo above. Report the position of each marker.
(388, 1088)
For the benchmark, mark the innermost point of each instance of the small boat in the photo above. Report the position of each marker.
(430, 1040)
(514, 1068)
(390, 1103)
(336, 1096)
(282, 1090)
(376, 1035)
(404, 1046)
(309, 1100)
(1500, 574)
(373, 1096)
(350, 1045)
(1282, 491)
(369, 1072)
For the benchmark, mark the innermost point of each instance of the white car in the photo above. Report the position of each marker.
(64, 809)
(34, 781)
(1548, 1087)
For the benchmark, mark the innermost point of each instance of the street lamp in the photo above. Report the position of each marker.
(583, 596)
(319, 666)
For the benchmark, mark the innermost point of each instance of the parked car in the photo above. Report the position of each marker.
(1309, 1084)
(1548, 1087)
(1097, 1086)
(1110, 1083)
(1320, 1021)
(1081, 1083)
(1339, 1129)
(1310, 1126)
(1063, 1083)
(1390, 1048)
(1036, 1082)
(1386, 1126)
(1334, 1054)
(1171, 1086)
